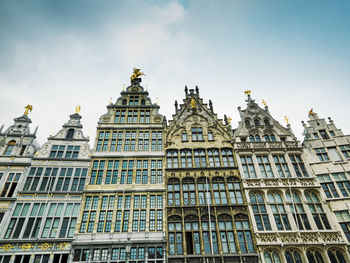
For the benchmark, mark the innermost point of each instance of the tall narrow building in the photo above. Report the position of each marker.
(292, 223)
(328, 152)
(123, 209)
(207, 217)
(41, 224)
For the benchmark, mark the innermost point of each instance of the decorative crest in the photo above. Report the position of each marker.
(193, 103)
(27, 109)
(286, 119)
(77, 109)
(311, 112)
(264, 103)
(137, 73)
(247, 92)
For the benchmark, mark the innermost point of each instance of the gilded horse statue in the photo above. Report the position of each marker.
(136, 74)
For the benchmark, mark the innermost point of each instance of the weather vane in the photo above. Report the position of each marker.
(27, 109)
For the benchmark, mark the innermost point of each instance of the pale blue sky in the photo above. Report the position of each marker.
(56, 54)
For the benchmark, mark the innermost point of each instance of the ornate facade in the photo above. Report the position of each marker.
(328, 152)
(40, 225)
(292, 223)
(122, 216)
(207, 217)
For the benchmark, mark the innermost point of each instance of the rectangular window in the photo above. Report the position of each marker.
(333, 152)
(324, 134)
(322, 154)
(197, 134)
(248, 167)
(265, 167)
(281, 166)
(298, 165)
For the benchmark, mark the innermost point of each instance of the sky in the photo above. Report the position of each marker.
(56, 54)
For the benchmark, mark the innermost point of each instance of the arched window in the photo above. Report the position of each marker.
(172, 159)
(266, 121)
(272, 257)
(173, 189)
(204, 191)
(251, 138)
(186, 158)
(175, 235)
(257, 138)
(10, 147)
(124, 102)
(70, 134)
(257, 122)
(192, 235)
(335, 256)
(313, 256)
(227, 157)
(293, 256)
(234, 189)
(244, 235)
(199, 158)
(143, 102)
(247, 122)
(272, 137)
(209, 234)
(316, 209)
(298, 212)
(214, 158)
(189, 191)
(227, 236)
(219, 191)
(259, 209)
(267, 137)
(184, 137)
(279, 212)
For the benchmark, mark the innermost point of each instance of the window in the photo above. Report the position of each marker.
(324, 134)
(265, 167)
(317, 212)
(298, 165)
(313, 256)
(106, 214)
(81, 255)
(248, 167)
(269, 138)
(175, 235)
(293, 257)
(189, 192)
(156, 141)
(127, 172)
(272, 257)
(156, 213)
(197, 134)
(97, 171)
(173, 191)
(322, 154)
(70, 134)
(200, 158)
(245, 239)
(219, 191)
(210, 239)
(335, 256)
(214, 158)
(112, 172)
(332, 133)
(257, 122)
(143, 141)
(281, 166)
(257, 138)
(247, 122)
(210, 136)
(266, 122)
(186, 158)
(141, 172)
(227, 236)
(344, 221)
(227, 157)
(279, 212)
(204, 191)
(89, 214)
(260, 213)
(62, 151)
(10, 184)
(234, 189)
(345, 149)
(298, 212)
(327, 186)
(333, 152)
(315, 135)
(9, 148)
(184, 137)
(343, 183)
(172, 159)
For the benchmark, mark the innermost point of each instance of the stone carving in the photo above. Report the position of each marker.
(267, 238)
(289, 237)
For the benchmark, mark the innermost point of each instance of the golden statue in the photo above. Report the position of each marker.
(193, 103)
(137, 73)
(286, 119)
(311, 112)
(229, 119)
(247, 92)
(77, 109)
(264, 102)
(28, 108)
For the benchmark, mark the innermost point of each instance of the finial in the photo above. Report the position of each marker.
(286, 119)
(77, 109)
(211, 105)
(146, 87)
(186, 90)
(229, 119)
(157, 101)
(175, 105)
(264, 103)
(2, 126)
(225, 119)
(123, 87)
(36, 129)
(311, 112)
(110, 100)
(197, 90)
(137, 73)
(193, 103)
(247, 92)
(28, 108)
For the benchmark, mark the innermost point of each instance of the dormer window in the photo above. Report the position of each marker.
(70, 134)
(197, 134)
(266, 122)
(134, 100)
(10, 147)
(257, 138)
(124, 102)
(324, 134)
(247, 122)
(269, 138)
(257, 122)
